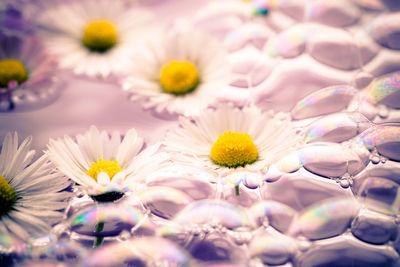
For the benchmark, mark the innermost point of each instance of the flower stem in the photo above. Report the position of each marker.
(237, 190)
(99, 239)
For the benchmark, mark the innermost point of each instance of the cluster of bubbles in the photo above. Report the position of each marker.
(333, 201)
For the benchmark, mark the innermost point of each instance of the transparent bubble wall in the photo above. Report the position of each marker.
(333, 199)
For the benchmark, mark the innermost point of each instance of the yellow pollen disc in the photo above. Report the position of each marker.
(233, 150)
(107, 166)
(179, 77)
(99, 36)
(8, 197)
(12, 70)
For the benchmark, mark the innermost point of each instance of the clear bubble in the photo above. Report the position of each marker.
(68, 251)
(278, 215)
(325, 219)
(336, 128)
(164, 201)
(274, 249)
(146, 251)
(380, 194)
(214, 211)
(385, 30)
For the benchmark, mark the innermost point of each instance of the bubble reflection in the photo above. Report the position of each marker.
(9, 244)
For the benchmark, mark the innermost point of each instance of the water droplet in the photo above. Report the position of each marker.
(344, 183)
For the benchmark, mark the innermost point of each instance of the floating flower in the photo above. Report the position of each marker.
(30, 194)
(181, 73)
(230, 138)
(94, 37)
(104, 165)
(26, 73)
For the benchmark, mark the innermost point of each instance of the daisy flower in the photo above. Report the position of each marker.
(179, 73)
(103, 165)
(30, 194)
(26, 73)
(230, 138)
(93, 37)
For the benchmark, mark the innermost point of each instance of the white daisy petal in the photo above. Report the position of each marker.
(32, 196)
(65, 26)
(193, 143)
(145, 82)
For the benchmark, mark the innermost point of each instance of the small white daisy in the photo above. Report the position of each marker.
(179, 73)
(230, 138)
(31, 193)
(94, 37)
(27, 77)
(102, 164)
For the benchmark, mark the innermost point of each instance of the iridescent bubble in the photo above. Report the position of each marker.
(336, 128)
(346, 250)
(385, 30)
(115, 219)
(384, 90)
(380, 194)
(338, 13)
(325, 219)
(278, 215)
(325, 101)
(384, 138)
(274, 249)
(146, 251)
(164, 201)
(214, 212)
(10, 245)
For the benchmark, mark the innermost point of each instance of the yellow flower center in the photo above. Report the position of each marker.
(99, 36)
(8, 197)
(179, 77)
(12, 70)
(107, 166)
(233, 150)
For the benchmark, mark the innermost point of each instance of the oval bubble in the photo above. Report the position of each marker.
(69, 251)
(336, 128)
(289, 43)
(325, 219)
(116, 218)
(164, 201)
(380, 194)
(384, 90)
(370, 4)
(193, 181)
(278, 215)
(214, 212)
(384, 138)
(335, 48)
(339, 13)
(146, 251)
(325, 101)
(385, 30)
(302, 189)
(347, 251)
(373, 227)
(330, 159)
(273, 249)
